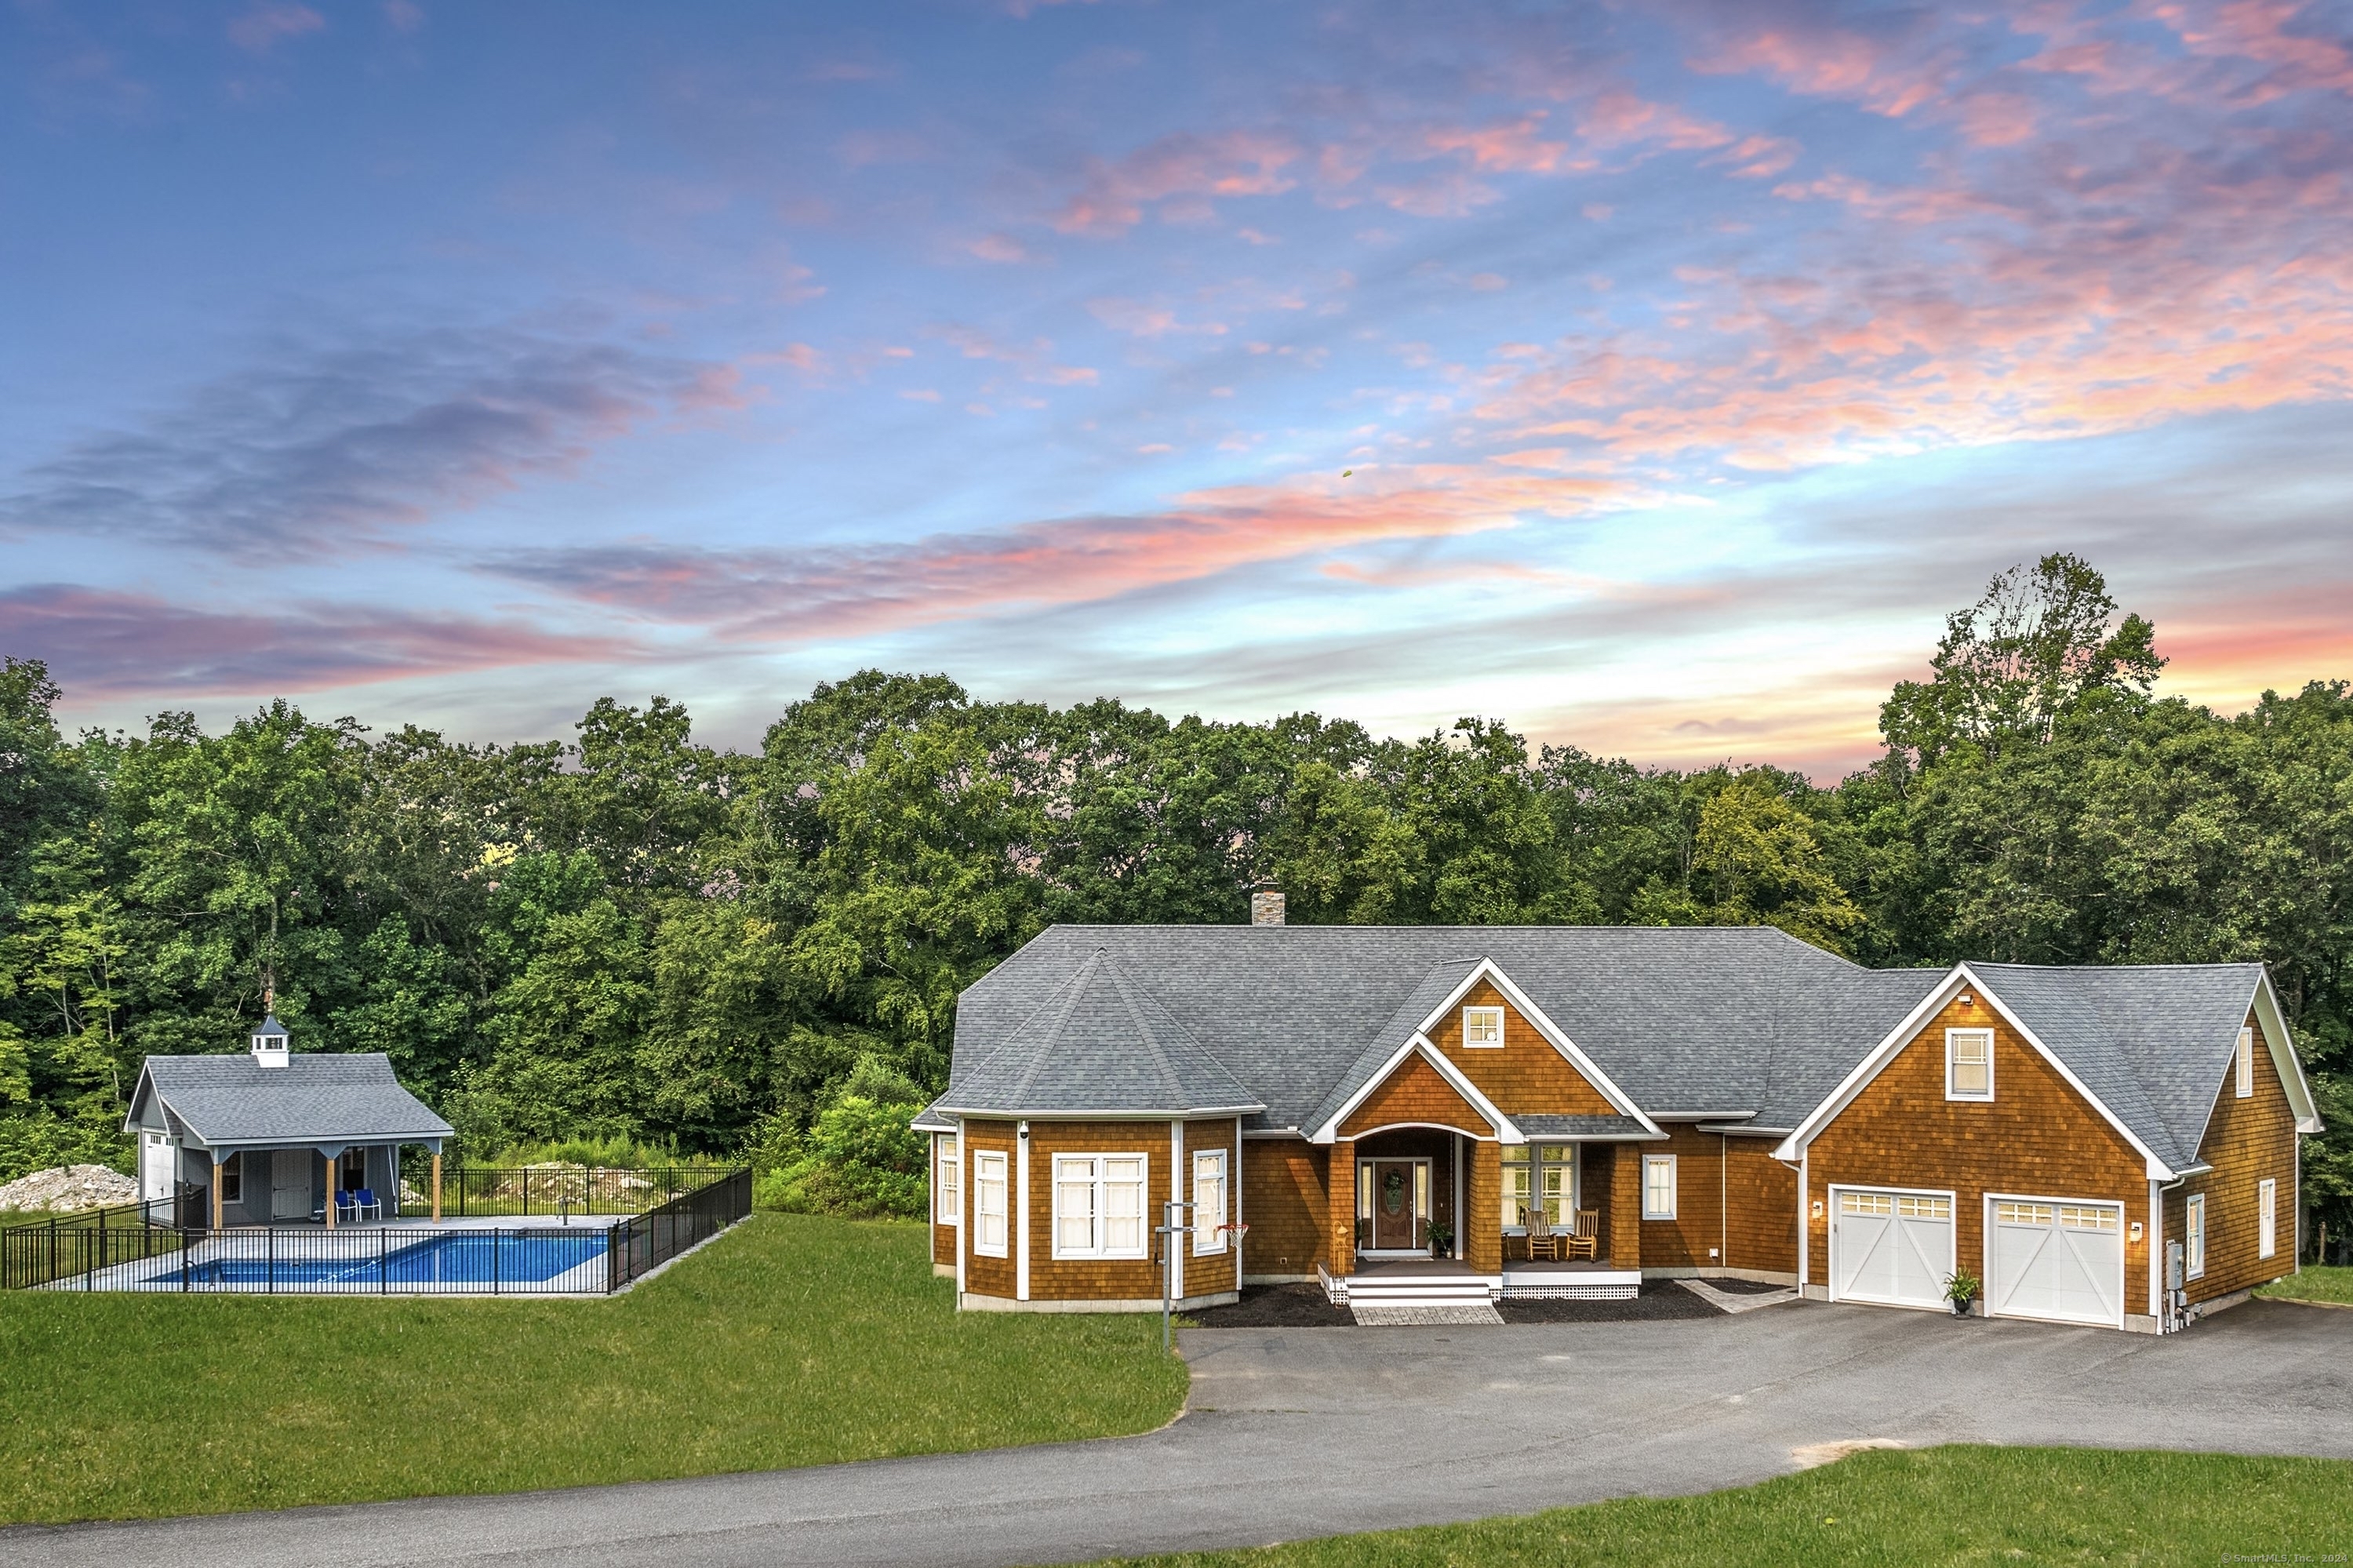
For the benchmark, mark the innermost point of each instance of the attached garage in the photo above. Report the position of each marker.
(2060, 1259)
(1890, 1246)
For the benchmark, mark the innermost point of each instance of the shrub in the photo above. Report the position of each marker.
(44, 1141)
(861, 1160)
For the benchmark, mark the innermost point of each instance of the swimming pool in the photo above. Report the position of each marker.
(469, 1260)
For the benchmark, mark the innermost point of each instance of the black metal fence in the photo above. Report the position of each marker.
(153, 1247)
(652, 1239)
(525, 1192)
(61, 1246)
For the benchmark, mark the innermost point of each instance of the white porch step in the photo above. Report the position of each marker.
(1448, 1315)
(1422, 1292)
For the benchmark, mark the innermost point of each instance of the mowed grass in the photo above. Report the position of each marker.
(1955, 1505)
(2315, 1284)
(790, 1341)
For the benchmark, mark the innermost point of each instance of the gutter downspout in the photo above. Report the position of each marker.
(2165, 1317)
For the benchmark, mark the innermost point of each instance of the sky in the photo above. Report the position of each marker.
(1653, 377)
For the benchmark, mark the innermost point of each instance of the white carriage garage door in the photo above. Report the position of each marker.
(2057, 1259)
(1891, 1247)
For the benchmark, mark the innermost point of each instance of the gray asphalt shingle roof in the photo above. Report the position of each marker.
(2154, 1042)
(1581, 1127)
(1683, 1019)
(1099, 1042)
(230, 1099)
(1735, 1023)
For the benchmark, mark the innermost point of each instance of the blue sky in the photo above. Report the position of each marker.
(1655, 378)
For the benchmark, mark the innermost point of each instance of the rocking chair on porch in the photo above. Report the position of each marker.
(1584, 1241)
(1544, 1241)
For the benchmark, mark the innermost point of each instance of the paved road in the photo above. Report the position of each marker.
(1315, 1432)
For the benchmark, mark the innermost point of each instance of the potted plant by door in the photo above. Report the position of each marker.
(1960, 1289)
(1441, 1238)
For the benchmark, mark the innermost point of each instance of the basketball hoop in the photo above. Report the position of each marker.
(1238, 1230)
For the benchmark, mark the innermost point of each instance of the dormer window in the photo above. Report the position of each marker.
(1482, 1027)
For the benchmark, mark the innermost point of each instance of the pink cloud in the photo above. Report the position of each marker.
(99, 642)
(809, 595)
(1185, 170)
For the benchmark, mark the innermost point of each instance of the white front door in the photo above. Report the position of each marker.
(158, 1164)
(290, 1171)
(1891, 1247)
(2056, 1258)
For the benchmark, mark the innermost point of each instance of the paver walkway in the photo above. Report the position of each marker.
(1300, 1433)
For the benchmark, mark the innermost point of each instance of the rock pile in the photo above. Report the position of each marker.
(68, 1187)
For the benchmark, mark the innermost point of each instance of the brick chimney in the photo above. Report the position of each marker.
(1266, 907)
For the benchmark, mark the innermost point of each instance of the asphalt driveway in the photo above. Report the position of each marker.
(1315, 1432)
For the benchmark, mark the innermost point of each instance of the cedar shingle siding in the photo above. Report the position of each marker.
(2036, 1137)
(1527, 1073)
(2246, 1141)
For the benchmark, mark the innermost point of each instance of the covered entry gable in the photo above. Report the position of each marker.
(1421, 1089)
(1524, 1066)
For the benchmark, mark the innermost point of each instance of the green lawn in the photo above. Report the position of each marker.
(1958, 1505)
(792, 1340)
(2315, 1284)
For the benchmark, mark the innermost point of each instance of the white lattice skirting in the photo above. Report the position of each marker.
(1571, 1292)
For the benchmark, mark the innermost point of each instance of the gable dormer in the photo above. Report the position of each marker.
(1488, 1035)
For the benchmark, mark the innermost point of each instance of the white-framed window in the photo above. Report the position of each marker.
(1537, 1174)
(947, 1165)
(1099, 1206)
(2194, 1239)
(1657, 1186)
(2266, 1217)
(988, 1204)
(1518, 1185)
(2246, 1064)
(1208, 1202)
(232, 1178)
(1483, 1028)
(1969, 1063)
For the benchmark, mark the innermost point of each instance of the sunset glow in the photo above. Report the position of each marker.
(1654, 378)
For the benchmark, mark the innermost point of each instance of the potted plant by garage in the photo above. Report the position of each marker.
(1960, 1289)
(1441, 1238)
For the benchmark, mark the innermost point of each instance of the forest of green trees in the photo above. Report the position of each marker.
(630, 936)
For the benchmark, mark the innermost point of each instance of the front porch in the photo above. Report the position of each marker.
(1438, 1213)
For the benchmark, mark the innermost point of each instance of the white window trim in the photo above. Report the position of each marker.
(2266, 1217)
(1648, 1161)
(1952, 1037)
(948, 1180)
(989, 1168)
(1097, 1164)
(2193, 1236)
(1210, 1228)
(2246, 1060)
(1494, 1044)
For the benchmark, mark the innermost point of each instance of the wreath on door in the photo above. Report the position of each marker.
(1393, 1192)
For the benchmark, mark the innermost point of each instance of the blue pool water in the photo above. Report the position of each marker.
(459, 1258)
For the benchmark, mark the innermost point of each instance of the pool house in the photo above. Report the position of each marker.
(271, 1137)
